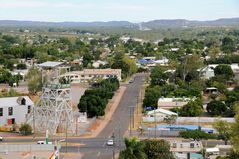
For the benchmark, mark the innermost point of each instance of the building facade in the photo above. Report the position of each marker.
(92, 75)
(15, 110)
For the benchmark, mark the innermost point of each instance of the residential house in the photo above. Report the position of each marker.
(14, 110)
(208, 71)
(168, 103)
(92, 75)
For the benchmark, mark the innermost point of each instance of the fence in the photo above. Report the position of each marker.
(184, 120)
(25, 148)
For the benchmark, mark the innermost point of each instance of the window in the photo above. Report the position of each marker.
(1, 111)
(23, 101)
(28, 109)
(10, 111)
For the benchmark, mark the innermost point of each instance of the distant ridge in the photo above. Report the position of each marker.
(154, 24)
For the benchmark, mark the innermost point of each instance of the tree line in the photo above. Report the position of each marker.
(94, 100)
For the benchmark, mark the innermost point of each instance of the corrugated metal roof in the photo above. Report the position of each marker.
(12, 101)
(50, 64)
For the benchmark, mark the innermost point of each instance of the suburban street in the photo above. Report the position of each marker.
(93, 148)
(96, 147)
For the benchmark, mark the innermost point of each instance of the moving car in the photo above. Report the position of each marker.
(110, 142)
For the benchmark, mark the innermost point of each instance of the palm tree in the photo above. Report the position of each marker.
(134, 150)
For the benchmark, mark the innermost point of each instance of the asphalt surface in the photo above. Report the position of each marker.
(96, 148)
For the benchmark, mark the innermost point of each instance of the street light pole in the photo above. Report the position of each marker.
(130, 123)
(34, 128)
(113, 136)
(155, 125)
(66, 134)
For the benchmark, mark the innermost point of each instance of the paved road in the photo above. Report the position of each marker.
(96, 148)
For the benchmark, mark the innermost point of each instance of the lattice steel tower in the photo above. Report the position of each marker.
(54, 110)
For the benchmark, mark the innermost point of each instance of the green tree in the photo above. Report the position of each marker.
(190, 63)
(34, 78)
(216, 108)
(196, 135)
(134, 150)
(158, 77)
(228, 45)
(157, 149)
(25, 129)
(224, 71)
(224, 130)
(234, 139)
(192, 108)
(152, 95)
(21, 66)
(87, 59)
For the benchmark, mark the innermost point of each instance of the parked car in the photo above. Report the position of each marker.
(1, 138)
(131, 81)
(110, 142)
(43, 143)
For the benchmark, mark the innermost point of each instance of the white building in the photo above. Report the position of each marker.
(158, 115)
(208, 71)
(14, 110)
(92, 74)
(168, 103)
(97, 64)
(163, 61)
(161, 113)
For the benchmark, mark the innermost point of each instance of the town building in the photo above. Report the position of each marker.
(158, 115)
(14, 110)
(168, 103)
(208, 71)
(161, 113)
(92, 75)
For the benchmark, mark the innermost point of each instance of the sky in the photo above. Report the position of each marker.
(108, 10)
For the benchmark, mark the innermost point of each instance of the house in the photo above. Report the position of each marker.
(98, 63)
(161, 113)
(168, 103)
(158, 115)
(92, 75)
(14, 110)
(208, 71)
(50, 64)
(174, 49)
(163, 61)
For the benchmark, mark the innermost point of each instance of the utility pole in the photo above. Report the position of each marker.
(119, 137)
(130, 123)
(113, 137)
(155, 125)
(137, 107)
(66, 134)
(34, 128)
(133, 116)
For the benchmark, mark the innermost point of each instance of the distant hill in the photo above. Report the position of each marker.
(190, 23)
(166, 23)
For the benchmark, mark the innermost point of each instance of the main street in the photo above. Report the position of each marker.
(96, 148)
(118, 126)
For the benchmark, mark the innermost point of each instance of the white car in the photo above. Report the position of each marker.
(1, 138)
(43, 143)
(110, 142)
